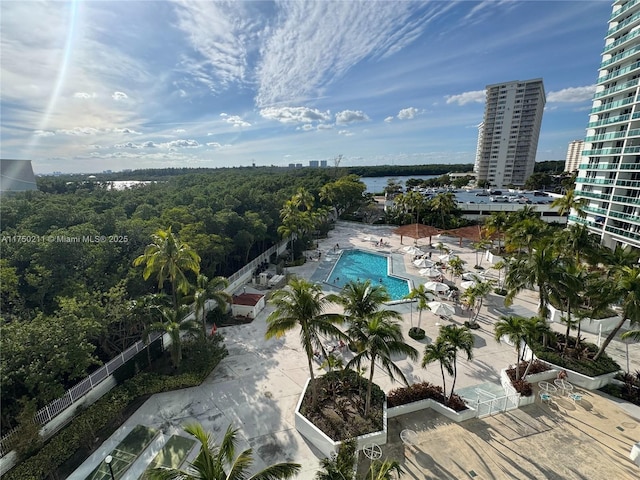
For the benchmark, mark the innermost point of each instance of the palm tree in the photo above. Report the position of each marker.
(512, 327)
(423, 296)
(578, 239)
(478, 247)
(458, 338)
(456, 265)
(173, 324)
(220, 462)
(383, 470)
(524, 233)
(496, 224)
(380, 337)
(206, 289)
(499, 266)
(301, 305)
(631, 335)
(537, 271)
(445, 203)
(360, 299)
(169, 259)
(439, 351)
(149, 307)
(625, 287)
(534, 328)
(569, 202)
(476, 294)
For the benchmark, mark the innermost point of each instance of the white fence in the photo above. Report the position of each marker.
(48, 413)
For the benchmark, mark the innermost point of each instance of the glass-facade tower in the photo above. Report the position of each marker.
(609, 172)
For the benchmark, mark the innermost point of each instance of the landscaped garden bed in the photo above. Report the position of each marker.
(523, 386)
(424, 391)
(627, 387)
(417, 333)
(340, 406)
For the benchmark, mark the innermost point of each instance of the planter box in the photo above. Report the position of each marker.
(491, 258)
(510, 389)
(603, 325)
(328, 446)
(437, 406)
(583, 381)
(539, 377)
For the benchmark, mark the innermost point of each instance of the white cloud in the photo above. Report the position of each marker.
(79, 131)
(324, 126)
(408, 113)
(572, 94)
(43, 133)
(117, 96)
(235, 120)
(350, 116)
(179, 130)
(346, 133)
(475, 96)
(181, 144)
(306, 127)
(295, 114)
(389, 119)
(129, 131)
(84, 95)
(224, 114)
(217, 145)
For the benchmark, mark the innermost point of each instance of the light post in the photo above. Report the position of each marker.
(108, 461)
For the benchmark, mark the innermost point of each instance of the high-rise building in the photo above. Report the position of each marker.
(574, 155)
(609, 174)
(509, 134)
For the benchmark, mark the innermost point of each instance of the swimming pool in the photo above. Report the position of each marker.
(354, 265)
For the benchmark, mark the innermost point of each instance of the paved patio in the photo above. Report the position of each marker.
(257, 386)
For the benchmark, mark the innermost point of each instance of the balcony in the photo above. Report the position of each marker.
(608, 136)
(612, 105)
(630, 166)
(623, 24)
(622, 40)
(603, 151)
(599, 196)
(625, 199)
(620, 56)
(584, 221)
(627, 183)
(617, 88)
(631, 149)
(620, 11)
(624, 216)
(609, 121)
(624, 233)
(604, 166)
(617, 73)
(595, 181)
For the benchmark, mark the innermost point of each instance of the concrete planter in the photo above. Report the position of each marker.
(437, 406)
(542, 376)
(328, 446)
(510, 389)
(491, 258)
(603, 325)
(583, 381)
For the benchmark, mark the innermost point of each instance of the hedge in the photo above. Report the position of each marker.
(61, 447)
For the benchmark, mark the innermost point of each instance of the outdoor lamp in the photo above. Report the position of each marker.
(108, 460)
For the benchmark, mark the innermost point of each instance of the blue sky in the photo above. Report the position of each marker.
(93, 85)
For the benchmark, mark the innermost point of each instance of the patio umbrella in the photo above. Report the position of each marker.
(436, 287)
(431, 273)
(468, 284)
(440, 308)
(472, 276)
(423, 263)
(414, 251)
(447, 257)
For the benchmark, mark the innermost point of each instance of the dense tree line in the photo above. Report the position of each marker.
(71, 295)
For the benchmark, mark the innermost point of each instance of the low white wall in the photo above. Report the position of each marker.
(635, 454)
(491, 258)
(583, 381)
(510, 389)
(437, 406)
(542, 376)
(604, 325)
(326, 445)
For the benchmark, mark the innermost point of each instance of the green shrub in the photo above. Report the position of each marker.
(585, 365)
(423, 391)
(111, 407)
(416, 333)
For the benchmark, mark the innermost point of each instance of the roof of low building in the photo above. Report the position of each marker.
(248, 299)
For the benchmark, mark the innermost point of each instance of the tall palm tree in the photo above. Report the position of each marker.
(534, 328)
(524, 234)
(301, 305)
(206, 289)
(173, 324)
(578, 239)
(458, 338)
(476, 295)
(626, 288)
(456, 265)
(169, 259)
(537, 271)
(569, 202)
(219, 462)
(445, 204)
(380, 337)
(423, 296)
(440, 351)
(496, 224)
(512, 327)
(480, 246)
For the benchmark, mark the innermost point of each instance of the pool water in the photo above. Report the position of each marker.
(354, 265)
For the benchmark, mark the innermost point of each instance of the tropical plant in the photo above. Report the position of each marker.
(379, 337)
(206, 289)
(456, 265)
(458, 338)
(478, 247)
(383, 470)
(524, 234)
(219, 462)
(175, 326)
(534, 329)
(301, 305)
(476, 295)
(439, 351)
(496, 224)
(149, 308)
(423, 296)
(569, 202)
(445, 205)
(169, 258)
(631, 335)
(512, 327)
(625, 287)
(340, 466)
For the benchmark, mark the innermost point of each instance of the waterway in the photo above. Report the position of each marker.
(377, 184)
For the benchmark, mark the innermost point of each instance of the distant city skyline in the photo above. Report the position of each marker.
(92, 86)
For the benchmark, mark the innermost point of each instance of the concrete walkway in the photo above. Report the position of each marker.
(258, 385)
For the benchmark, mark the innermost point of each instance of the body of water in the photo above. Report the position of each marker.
(358, 265)
(377, 184)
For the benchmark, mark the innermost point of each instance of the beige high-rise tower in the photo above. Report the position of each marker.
(511, 127)
(574, 155)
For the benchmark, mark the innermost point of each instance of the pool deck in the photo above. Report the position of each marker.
(258, 385)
